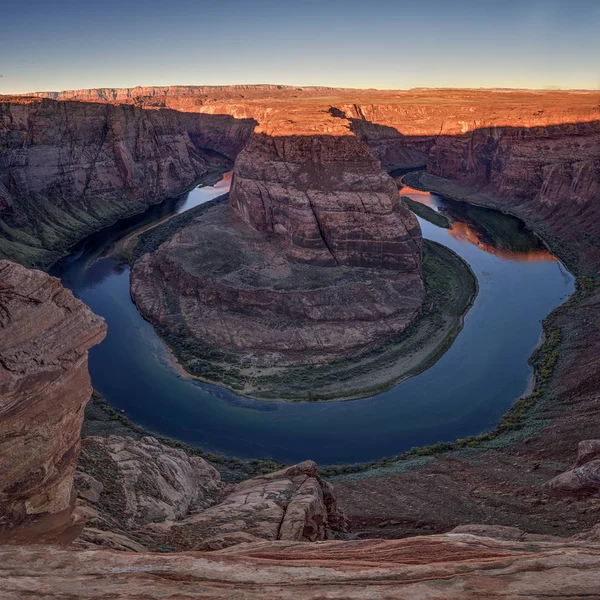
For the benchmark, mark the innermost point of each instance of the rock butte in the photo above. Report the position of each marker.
(316, 257)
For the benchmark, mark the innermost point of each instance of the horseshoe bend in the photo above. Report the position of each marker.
(300, 341)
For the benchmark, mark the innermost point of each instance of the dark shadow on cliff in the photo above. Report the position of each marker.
(547, 175)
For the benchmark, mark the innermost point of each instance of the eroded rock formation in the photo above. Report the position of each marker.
(316, 258)
(68, 169)
(45, 334)
(142, 495)
(150, 482)
(327, 199)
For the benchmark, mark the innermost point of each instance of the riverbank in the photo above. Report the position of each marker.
(66, 226)
(427, 213)
(450, 288)
(465, 393)
(497, 477)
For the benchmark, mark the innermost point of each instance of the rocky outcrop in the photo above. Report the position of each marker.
(141, 494)
(236, 290)
(453, 567)
(326, 198)
(131, 483)
(132, 494)
(45, 334)
(584, 478)
(68, 169)
(292, 504)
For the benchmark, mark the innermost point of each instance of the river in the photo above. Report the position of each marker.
(465, 393)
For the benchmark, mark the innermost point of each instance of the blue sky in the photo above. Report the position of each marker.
(66, 44)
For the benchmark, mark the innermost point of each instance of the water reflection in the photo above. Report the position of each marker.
(494, 232)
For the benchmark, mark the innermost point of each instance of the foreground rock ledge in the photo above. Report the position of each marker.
(45, 333)
(449, 567)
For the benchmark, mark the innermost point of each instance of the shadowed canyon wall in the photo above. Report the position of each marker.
(69, 168)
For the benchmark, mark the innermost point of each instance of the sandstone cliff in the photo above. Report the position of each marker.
(68, 169)
(44, 385)
(326, 197)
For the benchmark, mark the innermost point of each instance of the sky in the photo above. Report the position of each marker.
(385, 44)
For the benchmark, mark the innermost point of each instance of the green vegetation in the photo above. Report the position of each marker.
(427, 213)
(450, 289)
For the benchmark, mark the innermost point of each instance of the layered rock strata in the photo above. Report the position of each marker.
(452, 567)
(45, 334)
(68, 169)
(537, 151)
(327, 200)
(316, 258)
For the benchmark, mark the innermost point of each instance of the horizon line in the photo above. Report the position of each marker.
(316, 87)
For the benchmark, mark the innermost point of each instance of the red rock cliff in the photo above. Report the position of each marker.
(328, 198)
(69, 168)
(45, 333)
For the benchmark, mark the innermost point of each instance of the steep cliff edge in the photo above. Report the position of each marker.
(68, 169)
(45, 334)
(548, 176)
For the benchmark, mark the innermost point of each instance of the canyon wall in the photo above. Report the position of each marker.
(68, 169)
(45, 334)
(534, 146)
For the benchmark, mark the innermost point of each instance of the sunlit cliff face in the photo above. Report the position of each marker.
(468, 234)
